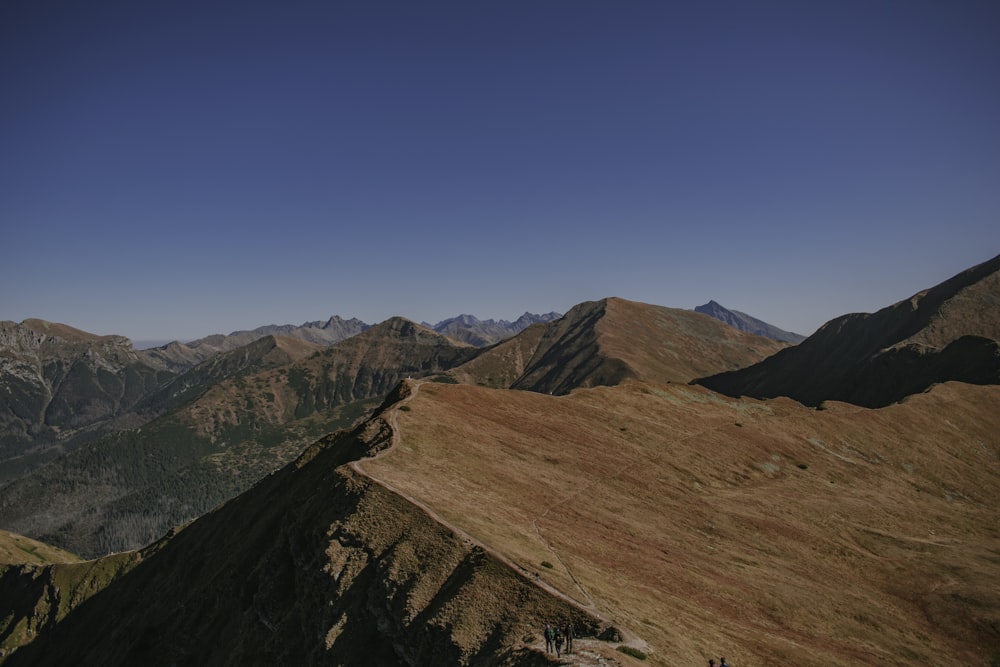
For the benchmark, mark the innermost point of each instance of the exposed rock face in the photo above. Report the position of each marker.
(744, 322)
(949, 332)
(316, 565)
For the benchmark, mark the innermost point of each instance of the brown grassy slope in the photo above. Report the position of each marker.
(501, 365)
(287, 350)
(948, 332)
(17, 549)
(605, 342)
(763, 531)
(362, 367)
(674, 345)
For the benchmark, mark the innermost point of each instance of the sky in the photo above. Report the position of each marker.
(170, 170)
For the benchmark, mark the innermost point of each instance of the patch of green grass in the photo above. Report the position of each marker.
(547, 564)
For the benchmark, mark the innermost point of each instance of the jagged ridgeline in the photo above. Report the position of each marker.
(63, 387)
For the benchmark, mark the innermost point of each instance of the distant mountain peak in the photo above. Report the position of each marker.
(744, 322)
(470, 329)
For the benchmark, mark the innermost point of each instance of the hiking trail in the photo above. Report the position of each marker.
(589, 654)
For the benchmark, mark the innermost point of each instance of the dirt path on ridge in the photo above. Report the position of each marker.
(357, 466)
(582, 656)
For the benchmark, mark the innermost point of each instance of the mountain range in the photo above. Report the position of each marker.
(64, 386)
(241, 414)
(654, 476)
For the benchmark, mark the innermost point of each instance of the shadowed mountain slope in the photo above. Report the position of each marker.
(316, 565)
(608, 341)
(701, 525)
(744, 322)
(948, 332)
(56, 381)
(127, 488)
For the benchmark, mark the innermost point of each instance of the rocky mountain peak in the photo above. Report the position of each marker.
(744, 322)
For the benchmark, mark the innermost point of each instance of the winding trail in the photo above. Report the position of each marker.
(533, 577)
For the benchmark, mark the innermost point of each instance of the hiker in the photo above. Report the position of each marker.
(568, 631)
(711, 662)
(723, 663)
(558, 639)
(549, 636)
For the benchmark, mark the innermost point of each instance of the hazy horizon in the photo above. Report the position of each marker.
(172, 171)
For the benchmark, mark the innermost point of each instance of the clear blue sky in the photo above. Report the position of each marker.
(176, 169)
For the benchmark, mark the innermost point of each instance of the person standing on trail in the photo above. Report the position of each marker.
(548, 638)
(558, 640)
(568, 631)
(723, 663)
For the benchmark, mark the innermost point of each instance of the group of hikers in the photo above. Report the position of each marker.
(560, 640)
(557, 638)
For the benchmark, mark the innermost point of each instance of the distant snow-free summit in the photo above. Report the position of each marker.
(744, 322)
